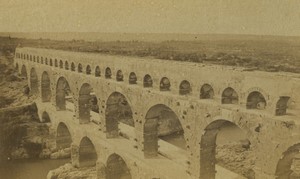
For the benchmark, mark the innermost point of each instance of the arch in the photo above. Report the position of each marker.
(256, 100)
(132, 78)
(165, 84)
(38, 59)
(161, 122)
(108, 73)
(85, 103)
(46, 61)
(51, 62)
(24, 72)
(120, 76)
(282, 105)
(63, 136)
(55, 63)
(284, 167)
(97, 71)
(63, 92)
(185, 87)
(30, 58)
(117, 109)
(17, 67)
(79, 68)
(27, 57)
(33, 58)
(148, 83)
(45, 117)
(73, 68)
(42, 60)
(206, 92)
(211, 138)
(46, 89)
(116, 168)
(34, 86)
(88, 70)
(87, 153)
(66, 65)
(230, 96)
(61, 64)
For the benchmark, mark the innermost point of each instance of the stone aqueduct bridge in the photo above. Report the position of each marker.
(201, 97)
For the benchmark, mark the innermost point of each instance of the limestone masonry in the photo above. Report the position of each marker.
(109, 110)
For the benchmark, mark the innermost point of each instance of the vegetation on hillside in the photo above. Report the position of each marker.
(262, 54)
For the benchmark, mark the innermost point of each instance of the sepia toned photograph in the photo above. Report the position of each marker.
(150, 89)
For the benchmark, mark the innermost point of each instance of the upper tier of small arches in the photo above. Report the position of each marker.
(255, 100)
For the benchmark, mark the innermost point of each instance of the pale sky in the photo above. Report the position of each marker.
(264, 17)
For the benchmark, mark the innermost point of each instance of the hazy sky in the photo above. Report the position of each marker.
(272, 17)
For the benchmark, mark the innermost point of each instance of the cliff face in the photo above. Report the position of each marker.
(21, 133)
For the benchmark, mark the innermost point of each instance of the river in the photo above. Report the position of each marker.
(29, 169)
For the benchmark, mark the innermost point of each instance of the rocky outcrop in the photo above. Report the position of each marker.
(70, 172)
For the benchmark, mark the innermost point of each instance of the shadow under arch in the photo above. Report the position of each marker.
(45, 117)
(162, 122)
(87, 153)
(34, 86)
(63, 136)
(63, 92)
(116, 168)
(117, 110)
(87, 101)
(24, 72)
(46, 89)
(223, 136)
(284, 165)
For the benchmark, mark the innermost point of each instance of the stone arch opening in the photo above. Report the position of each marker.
(46, 87)
(206, 92)
(148, 83)
(46, 61)
(117, 110)
(165, 84)
(116, 168)
(88, 70)
(256, 100)
(87, 153)
(230, 96)
(45, 117)
(42, 60)
(61, 64)
(185, 88)
(30, 57)
(86, 103)
(24, 72)
(66, 65)
(97, 71)
(120, 76)
(287, 165)
(162, 123)
(221, 143)
(63, 136)
(282, 105)
(34, 86)
(132, 78)
(33, 58)
(55, 63)
(27, 57)
(38, 59)
(73, 66)
(108, 73)
(63, 93)
(51, 62)
(17, 67)
(79, 69)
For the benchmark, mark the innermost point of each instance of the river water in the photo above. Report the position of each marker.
(29, 169)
